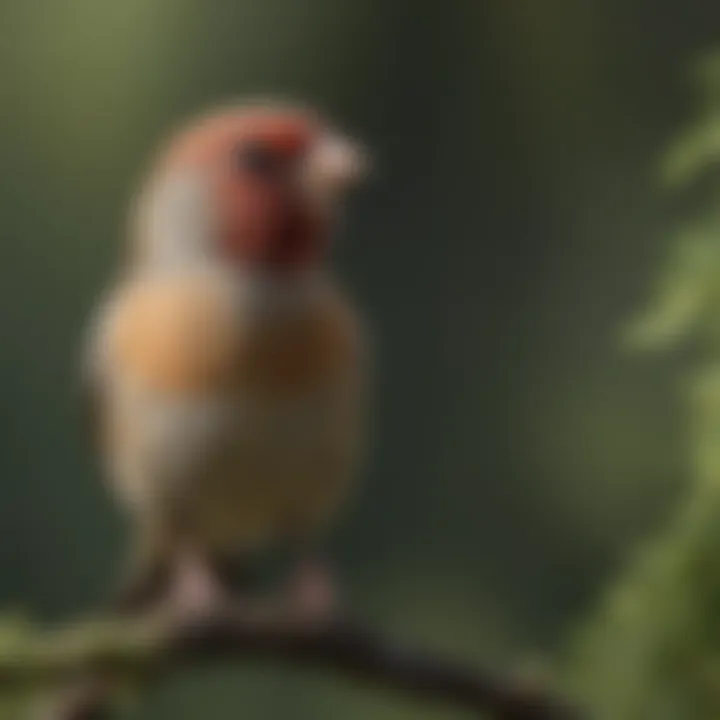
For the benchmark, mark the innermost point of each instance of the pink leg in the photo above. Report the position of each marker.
(312, 593)
(194, 587)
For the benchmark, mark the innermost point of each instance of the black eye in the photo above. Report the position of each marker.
(257, 158)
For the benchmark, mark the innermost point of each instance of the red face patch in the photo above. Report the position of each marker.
(253, 158)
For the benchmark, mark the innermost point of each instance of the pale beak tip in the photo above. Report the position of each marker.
(344, 161)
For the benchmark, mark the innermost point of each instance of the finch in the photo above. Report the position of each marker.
(226, 366)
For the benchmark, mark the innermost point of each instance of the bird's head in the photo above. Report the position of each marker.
(257, 186)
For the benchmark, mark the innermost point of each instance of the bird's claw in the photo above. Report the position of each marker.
(312, 596)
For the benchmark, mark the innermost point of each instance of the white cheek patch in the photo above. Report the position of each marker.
(178, 220)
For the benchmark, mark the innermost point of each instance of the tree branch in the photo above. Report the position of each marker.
(103, 651)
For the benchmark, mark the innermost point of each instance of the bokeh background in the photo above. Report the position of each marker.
(514, 224)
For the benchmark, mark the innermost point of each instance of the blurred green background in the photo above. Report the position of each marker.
(514, 224)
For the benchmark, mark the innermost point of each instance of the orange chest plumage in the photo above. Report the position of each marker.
(192, 336)
(242, 410)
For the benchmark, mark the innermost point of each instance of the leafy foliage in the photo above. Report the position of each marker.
(652, 652)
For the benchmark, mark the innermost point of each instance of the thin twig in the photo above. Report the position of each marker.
(145, 649)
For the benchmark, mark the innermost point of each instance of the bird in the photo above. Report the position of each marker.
(226, 367)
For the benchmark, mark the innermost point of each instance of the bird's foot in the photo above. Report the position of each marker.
(195, 590)
(312, 596)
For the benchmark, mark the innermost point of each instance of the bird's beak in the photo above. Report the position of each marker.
(335, 165)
